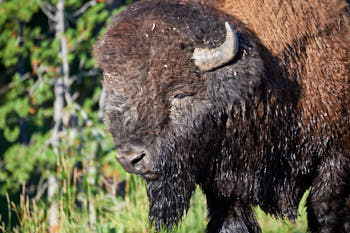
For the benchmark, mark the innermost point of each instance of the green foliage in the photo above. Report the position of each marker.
(30, 53)
(18, 173)
(11, 16)
(17, 107)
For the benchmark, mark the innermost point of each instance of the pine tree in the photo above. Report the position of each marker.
(49, 93)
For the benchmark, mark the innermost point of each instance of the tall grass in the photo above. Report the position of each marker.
(272, 225)
(87, 207)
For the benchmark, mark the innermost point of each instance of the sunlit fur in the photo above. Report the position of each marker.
(257, 131)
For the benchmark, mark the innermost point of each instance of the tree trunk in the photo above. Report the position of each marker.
(61, 95)
(55, 141)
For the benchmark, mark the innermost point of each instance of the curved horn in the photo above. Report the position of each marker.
(209, 59)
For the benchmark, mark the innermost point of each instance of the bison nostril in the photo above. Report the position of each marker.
(134, 161)
(137, 159)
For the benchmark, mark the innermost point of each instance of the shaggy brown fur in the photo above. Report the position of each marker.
(318, 32)
(258, 131)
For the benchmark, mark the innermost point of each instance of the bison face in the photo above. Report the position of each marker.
(166, 108)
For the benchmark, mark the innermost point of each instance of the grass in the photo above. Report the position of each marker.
(272, 225)
(92, 208)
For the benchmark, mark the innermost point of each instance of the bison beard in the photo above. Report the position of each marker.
(169, 198)
(170, 194)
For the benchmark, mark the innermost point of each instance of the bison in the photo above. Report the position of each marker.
(247, 99)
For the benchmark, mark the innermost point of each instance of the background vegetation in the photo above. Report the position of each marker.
(57, 166)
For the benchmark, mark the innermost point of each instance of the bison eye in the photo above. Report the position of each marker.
(180, 96)
(183, 95)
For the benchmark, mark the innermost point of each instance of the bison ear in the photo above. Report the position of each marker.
(209, 59)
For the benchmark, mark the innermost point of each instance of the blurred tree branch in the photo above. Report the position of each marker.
(84, 8)
(48, 10)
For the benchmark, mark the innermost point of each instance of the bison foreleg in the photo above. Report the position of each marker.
(226, 217)
(328, 205)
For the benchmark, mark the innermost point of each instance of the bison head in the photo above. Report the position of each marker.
(172, 70)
